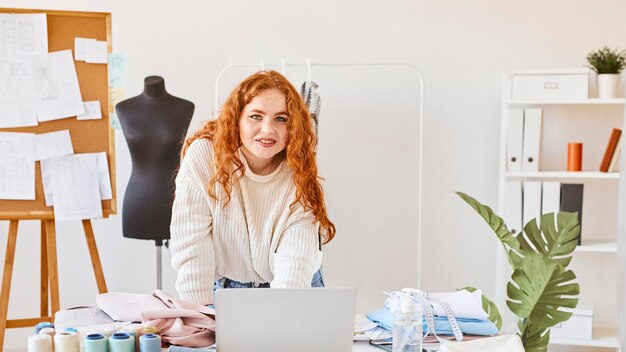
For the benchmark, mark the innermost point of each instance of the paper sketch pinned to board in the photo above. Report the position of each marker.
(53, 144)
(57, 93)
(21, 36)
(104, 178)
(17, 173)
(75, 186)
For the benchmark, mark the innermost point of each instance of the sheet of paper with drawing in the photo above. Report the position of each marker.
(57, 93)
(17, 172)
(53, 144)
(22, 36)
(90, 50)
(75, 187)
(103, 178)
(93, 111)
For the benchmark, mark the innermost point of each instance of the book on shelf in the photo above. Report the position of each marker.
(616, 155)
(610, 149)
(572, 201)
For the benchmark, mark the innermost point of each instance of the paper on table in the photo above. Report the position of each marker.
(92, 111)
(22, 36)
(57, 94)
(17, 173)
(80, 48)
(75, 187)
(365, 330)
(53, 144)
(96, 52)
(103, 178)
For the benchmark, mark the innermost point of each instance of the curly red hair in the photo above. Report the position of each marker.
(299, 153)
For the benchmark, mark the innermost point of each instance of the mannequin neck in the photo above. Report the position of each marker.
(154, 87)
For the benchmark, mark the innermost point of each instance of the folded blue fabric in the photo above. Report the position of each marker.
(384, 319)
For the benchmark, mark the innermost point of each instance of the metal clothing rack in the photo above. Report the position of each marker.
(308, 64)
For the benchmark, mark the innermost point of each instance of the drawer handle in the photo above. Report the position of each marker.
(551, 85)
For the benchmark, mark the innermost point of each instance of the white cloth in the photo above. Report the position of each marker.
(505, 343)
(256, 237)
(463, 303)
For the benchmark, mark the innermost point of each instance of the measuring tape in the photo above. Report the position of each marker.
(424, 299)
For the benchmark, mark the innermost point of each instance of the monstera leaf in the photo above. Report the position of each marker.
(510, 243)
(541, 287)
(490, 308)
(557, 238)
(534, 338)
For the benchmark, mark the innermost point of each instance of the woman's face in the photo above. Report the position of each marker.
(263, 126)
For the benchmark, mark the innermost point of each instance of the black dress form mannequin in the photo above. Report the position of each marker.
(154, 125)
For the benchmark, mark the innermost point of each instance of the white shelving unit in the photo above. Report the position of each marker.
(592, 252)
(606, 338)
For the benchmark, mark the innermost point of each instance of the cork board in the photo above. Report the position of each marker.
(88, 136)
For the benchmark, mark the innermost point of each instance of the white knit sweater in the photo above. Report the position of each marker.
(255, 238)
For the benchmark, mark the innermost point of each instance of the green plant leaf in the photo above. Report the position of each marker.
(556, 239)
(606, 60)
(541, 287)
(489, 307)
(509, 241)
(534, 338)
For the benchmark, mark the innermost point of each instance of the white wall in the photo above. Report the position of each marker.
(368, 132)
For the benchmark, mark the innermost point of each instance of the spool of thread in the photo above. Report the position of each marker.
(109, 331)
(150, 330)
(47, 331)
(66, 342)
(71, 330)
(95, 343)
(136, 331)
(42, 325)
(129, 332)
(121, 342)
(39, 343)
(150, 343)
(574, 157)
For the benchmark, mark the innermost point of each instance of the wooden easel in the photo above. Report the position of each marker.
(87, 137)
(49, 274)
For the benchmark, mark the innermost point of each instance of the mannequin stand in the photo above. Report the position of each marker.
(159, 263)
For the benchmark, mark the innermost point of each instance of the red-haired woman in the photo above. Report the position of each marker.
(249, 205)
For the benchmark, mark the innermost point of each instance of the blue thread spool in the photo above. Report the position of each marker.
(95, 343)
(121, 342)
(70, 330)
(150, 343)
(42, 325)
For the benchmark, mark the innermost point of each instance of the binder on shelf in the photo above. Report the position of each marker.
(616, 154)
(610, 149)
(532, 139)
(513, 206)
(572, 201)
(550, 197)
(532, 202)
(514, 140)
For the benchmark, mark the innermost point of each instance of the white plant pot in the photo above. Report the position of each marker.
(608, 85)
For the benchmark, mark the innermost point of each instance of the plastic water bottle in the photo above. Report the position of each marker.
(407, 326)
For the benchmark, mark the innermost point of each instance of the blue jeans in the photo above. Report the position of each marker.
(318, 281)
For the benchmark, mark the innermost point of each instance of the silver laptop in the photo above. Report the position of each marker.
(285, 319)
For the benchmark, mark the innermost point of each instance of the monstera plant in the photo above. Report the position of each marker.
(541, 285)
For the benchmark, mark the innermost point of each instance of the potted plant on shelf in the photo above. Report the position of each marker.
(541, 289)
(608, 64)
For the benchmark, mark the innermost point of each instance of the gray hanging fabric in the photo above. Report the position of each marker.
(312, 101)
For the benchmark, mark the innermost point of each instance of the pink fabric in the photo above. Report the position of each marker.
(179, 322)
